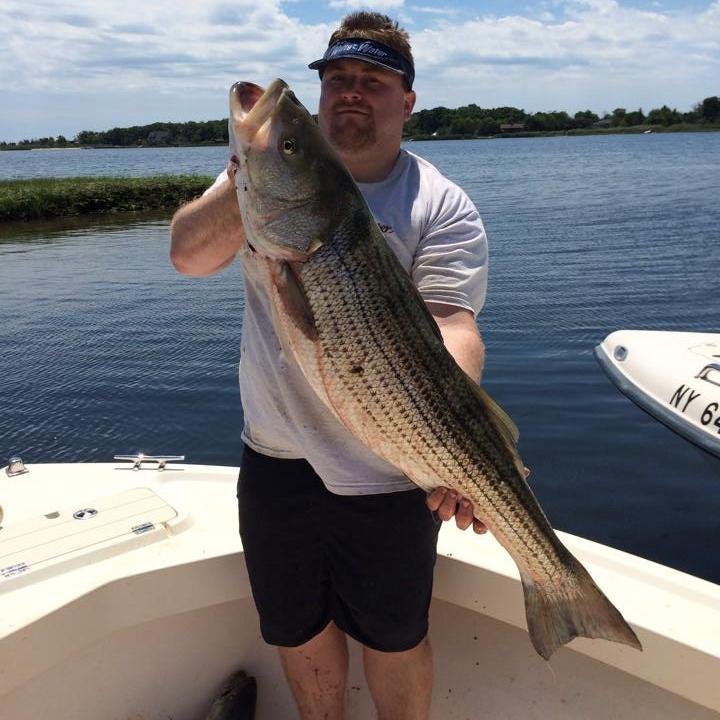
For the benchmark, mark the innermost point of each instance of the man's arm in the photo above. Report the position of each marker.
(207, 233)
(461, 337)
(463, 341)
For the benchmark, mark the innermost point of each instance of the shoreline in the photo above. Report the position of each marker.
(575, 132)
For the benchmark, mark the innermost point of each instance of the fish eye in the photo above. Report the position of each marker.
(289, 146)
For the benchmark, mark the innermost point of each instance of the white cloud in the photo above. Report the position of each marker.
(366, 4)
(174, 61)
(601, 54)
(92, 65)
(433, 10)
(183, 46)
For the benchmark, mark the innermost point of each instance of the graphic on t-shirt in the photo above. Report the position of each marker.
(387, 229)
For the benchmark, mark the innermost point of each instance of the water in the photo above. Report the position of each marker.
(134, 162)
(106, 349)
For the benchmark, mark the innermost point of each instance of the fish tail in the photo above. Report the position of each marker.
(558, 611)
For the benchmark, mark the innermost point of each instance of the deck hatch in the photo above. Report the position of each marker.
(106, 526)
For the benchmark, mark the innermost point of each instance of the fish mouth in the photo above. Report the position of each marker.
(251, 108)
(257, 116)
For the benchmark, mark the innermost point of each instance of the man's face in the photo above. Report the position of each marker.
(362, 106)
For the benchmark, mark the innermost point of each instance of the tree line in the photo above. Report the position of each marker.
(472, 120)
(208, 132)
(467, 121)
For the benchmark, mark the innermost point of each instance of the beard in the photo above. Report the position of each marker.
(352, 134)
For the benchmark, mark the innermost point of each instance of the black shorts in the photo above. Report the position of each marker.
(364, 561)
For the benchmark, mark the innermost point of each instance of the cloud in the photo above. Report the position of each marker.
(134, 29)
(366, 4)
(432, 10)
(83, 21)
(42, 51)
(555, 54)
(234, 14)
(599, 53)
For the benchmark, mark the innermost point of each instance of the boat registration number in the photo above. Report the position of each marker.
(709, 413)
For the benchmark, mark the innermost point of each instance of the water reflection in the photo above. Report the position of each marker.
(38, 231)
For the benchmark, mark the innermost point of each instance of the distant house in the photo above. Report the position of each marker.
(604, 123)
(158, 137)
(512, 127)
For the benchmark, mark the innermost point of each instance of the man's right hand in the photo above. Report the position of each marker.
(232, 167)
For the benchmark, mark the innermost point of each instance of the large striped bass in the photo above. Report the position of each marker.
(348, 313)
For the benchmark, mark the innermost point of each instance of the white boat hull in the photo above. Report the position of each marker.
(151, 630)
(674, 376)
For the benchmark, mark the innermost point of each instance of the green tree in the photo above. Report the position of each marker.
(509, 115)
(488, 126)
(619, 117)
(664, 116)
(710, 109)
(636, 117)
(463, 126)
(552, 121)
(585, 118)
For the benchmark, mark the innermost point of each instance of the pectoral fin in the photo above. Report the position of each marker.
(295, 327)
(291, 293)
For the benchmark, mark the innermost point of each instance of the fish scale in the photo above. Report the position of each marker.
(347, 312)
(407, 382)
(411, 391)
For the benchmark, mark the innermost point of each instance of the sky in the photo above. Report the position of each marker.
(95, 64)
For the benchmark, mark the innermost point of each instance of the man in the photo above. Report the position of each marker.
(336, 541)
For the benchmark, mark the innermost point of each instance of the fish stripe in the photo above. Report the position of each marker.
(355, 310)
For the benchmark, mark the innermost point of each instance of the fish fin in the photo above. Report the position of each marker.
(503, 422)
(292, 295)
(571, 607)
(507, 427)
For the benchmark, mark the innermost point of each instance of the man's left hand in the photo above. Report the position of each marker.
(449, 504)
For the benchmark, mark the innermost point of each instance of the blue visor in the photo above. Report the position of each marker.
(370, 51)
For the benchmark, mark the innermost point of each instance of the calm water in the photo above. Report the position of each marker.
(105, 349)
(19, 164)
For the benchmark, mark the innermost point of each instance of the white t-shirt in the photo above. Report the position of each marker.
(437, 234)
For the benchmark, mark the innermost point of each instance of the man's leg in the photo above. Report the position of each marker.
(400, 682)
(382, 564)
(282, 524)
(317, 673)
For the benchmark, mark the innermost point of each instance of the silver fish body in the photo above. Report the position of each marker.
(348, 313)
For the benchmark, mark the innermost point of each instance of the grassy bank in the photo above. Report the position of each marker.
(63, 197)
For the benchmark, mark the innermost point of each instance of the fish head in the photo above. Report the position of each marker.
(290, 180)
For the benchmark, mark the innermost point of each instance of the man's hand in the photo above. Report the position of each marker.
(232, 167)
(449, 504)
(461, 337)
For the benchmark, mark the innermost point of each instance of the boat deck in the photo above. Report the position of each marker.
(148, 625)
